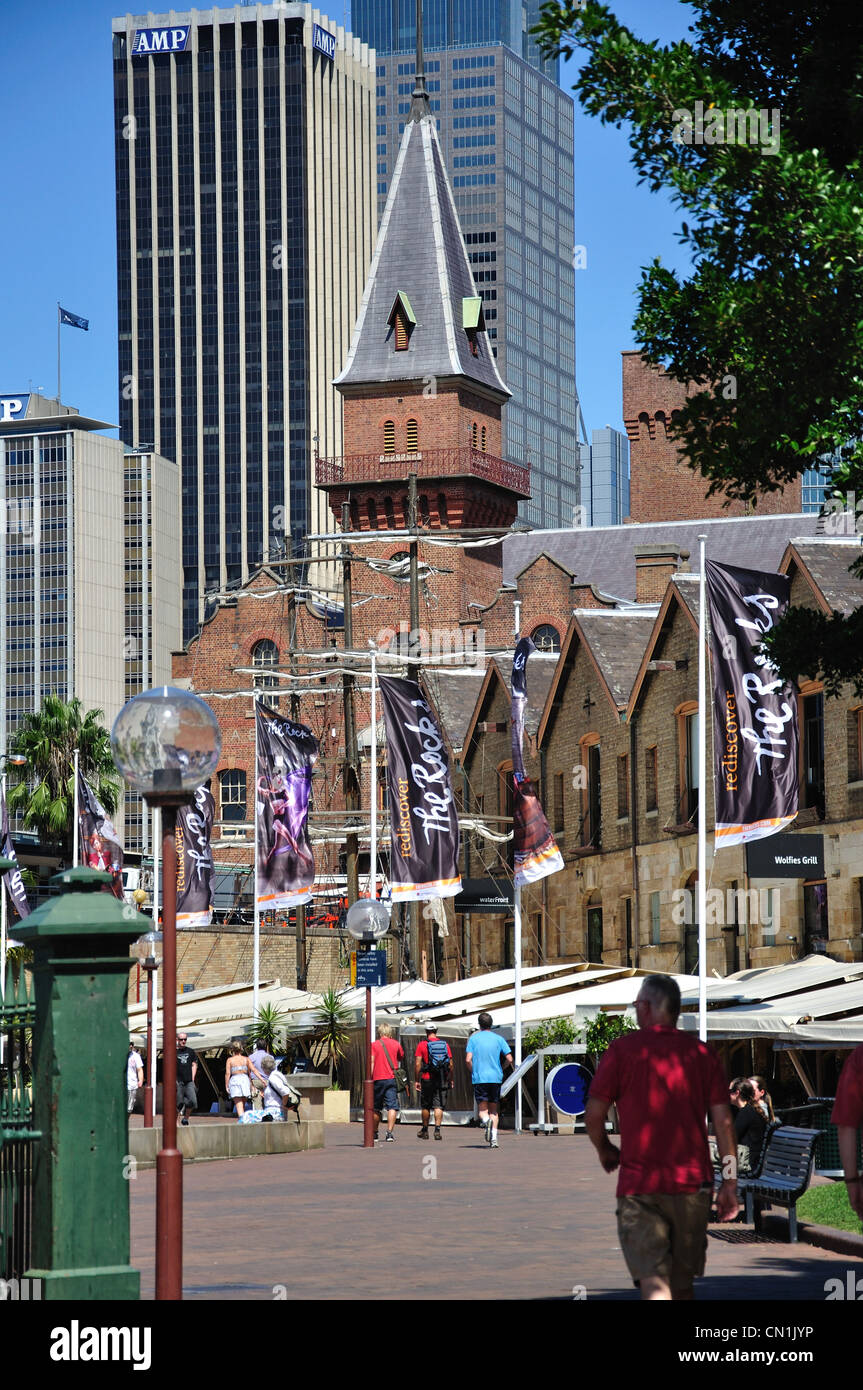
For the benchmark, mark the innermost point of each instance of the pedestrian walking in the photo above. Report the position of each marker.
(134, 1075)
(487, 1054)
(238, 1082)
(848, 1117)
(433, 1078)
(187, 1070)
(387, 1061)
(663, 1082)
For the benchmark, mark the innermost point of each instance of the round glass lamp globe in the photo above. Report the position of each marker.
(166, 741)
(149, 946)
(367, 919)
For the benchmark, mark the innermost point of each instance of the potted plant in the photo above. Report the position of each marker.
(547, 1034)
(331, 1038)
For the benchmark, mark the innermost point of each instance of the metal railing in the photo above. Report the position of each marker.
(427, 463)
(17, 1136)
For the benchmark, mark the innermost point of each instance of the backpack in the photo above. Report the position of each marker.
(438, 1056)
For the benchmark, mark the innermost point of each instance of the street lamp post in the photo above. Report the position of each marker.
(368, 921)
(147, 947)
(166, 742)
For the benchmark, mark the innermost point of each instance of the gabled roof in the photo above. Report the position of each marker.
(680, 596)
(614, 641)
(454, 695)
(825, 563)
(420, 255)
(540, 674)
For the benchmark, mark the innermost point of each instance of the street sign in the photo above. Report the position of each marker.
(786, 856)
(484, 895)
(371, 969)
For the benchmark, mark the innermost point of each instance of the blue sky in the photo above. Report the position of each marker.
(57, 235)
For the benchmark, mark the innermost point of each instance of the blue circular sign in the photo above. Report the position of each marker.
(566, 1087)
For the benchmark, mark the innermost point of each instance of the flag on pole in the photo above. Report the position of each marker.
(73, 320)
(195, 866)
(535, 850)
(12, 879)
(423, 817)
(285, 870)
(100, 843)
(755, 732)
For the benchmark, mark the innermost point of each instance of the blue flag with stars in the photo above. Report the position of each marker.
(74, 320)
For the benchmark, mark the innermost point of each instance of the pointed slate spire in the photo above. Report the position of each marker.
(420, 261)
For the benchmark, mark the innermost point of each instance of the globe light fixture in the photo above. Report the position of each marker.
(367, 920)
(166, 742)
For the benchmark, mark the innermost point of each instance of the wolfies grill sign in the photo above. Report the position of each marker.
(423, 818)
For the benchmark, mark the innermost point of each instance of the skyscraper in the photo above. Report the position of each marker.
(245, 227)
(506, 130)
(605, 491)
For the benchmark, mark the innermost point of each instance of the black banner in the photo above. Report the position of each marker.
(286, 755)
(755, 735)
(100, 843)
(195, 861)
(485, 895)
(535, 851)
(12, 879)
(423, 817)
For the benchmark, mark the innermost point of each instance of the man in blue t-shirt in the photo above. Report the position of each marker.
(484, 1052)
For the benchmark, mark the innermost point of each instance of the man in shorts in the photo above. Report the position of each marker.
(848, 1117)
(485, 1052)
(187, 1070)
(663, 1083)
(387, 1056)
(433, 1075)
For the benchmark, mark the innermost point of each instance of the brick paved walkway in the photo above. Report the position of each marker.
(532, 1220)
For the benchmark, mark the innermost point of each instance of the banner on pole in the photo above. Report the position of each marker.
(12, 878)
(195, 860)
(285, 868)
(535, 850)
(100, 843)
(755, 733)
(423, 817)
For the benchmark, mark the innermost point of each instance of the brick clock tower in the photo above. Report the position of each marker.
(422, 393)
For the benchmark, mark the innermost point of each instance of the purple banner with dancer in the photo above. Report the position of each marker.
(755, 734)
(195, 860)
(535, 850)
(286, 754)
(12, 878)
(423, 817)
(100, 843)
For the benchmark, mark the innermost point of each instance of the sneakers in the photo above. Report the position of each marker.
(390, 1139)
(484, 1128)
(184, 1121)
(490, 1136)
(493, 1144)
(437, 1133)
(423, 1133)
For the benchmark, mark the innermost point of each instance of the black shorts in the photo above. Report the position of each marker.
(433, 1093)
(487, 1090)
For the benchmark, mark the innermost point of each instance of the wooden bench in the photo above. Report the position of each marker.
(784, 1174)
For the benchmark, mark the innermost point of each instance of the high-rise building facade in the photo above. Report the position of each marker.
(245, 227)
(605, 489)
(506, 131)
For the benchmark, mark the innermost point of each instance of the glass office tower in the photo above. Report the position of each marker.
(506, 131)
(245, 227)
(607, 502)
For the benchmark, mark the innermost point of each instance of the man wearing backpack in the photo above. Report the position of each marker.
(433, 1073)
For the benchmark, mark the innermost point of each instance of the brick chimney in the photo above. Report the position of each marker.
(654, 566)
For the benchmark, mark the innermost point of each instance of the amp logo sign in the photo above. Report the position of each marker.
(147, 41)
(325, 43)
(13, 408)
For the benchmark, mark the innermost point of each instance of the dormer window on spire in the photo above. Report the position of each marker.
(473, 321)
(402, 322)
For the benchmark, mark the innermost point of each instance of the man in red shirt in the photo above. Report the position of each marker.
(663, 1083)
(387, 1055)
(847, 1117)
(433, 1076)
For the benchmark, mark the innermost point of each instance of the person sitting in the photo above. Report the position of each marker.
(279, 1096)
(762, 1099)
(749, 1129)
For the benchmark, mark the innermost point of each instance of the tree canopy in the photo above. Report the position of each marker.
(753, 127)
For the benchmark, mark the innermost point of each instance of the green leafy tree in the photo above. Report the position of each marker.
(270, 1021)
(752, 126)
(44, 796)
(601, 1032)
(547, 1034)
(331, 1020)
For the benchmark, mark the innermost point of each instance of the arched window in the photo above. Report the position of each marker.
(474, 435)
(390, 513)
(389, 436)
(265, 656)
(482, 439)
(372, 511)
(232, 800)
(413, 439)
(546, 638)
(424, 513)
(442, 509)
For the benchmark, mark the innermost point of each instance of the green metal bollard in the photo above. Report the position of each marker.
(81, 962)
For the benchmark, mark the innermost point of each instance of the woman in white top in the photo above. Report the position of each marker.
(237, 1082)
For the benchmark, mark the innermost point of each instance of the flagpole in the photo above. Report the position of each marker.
(373, 845)
(702, 799)
(151, 1061)
(516, 953)
(58, 352)
(256, 957)
(75, 809)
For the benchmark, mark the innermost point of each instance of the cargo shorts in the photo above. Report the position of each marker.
(665, 1235)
